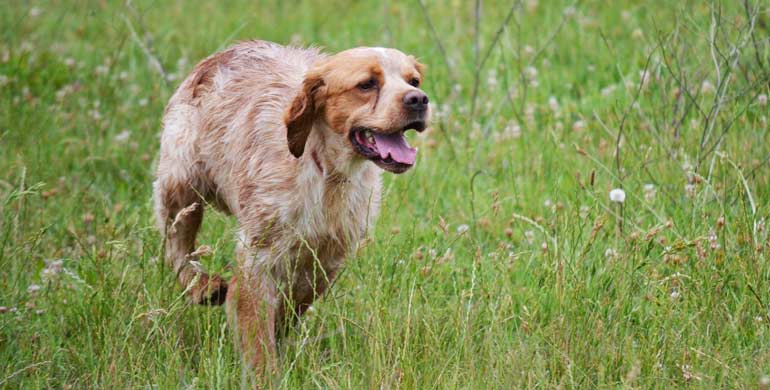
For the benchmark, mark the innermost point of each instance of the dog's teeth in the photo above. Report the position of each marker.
(369, 137)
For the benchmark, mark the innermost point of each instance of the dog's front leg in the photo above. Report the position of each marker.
(252, 305)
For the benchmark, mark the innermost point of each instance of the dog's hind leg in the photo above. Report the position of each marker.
(179, 208)
(179, 212)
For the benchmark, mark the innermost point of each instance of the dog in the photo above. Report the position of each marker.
(292, 142)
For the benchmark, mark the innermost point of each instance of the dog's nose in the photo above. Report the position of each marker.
(416, 101)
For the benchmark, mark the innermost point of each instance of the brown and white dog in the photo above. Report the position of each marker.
(288, 140)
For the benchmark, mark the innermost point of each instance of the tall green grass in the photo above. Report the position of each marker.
(497, 262)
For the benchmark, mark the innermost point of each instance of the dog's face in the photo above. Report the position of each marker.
(366, 98)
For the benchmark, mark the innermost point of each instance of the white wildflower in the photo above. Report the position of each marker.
(530, 72)
(528, 50)
(462, 229)
(674, 295)
(529, 114)
(513, 130)
(584, 210)
(492, 78)
(762, 99)
(553, 104)
(52, 270)
(644, 78)
(529, 235)
(33, 289)
(649, 192)
(532, 5)
(626, 15)
(689, 190)
(181, 63)
(123, 136)
(706, 87)
(579, 125)
(610, 254)
(617, 195)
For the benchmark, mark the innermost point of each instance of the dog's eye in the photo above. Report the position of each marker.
(415, 82)
(367, 85)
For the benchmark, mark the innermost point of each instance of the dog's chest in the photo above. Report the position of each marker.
(339, 211)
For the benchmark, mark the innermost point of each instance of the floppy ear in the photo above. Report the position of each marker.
(301, 114)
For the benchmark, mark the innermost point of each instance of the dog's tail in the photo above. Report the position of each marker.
(200, 287)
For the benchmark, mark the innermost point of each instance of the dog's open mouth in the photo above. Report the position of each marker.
(389, 151)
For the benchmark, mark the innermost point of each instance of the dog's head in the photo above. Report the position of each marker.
(363, 99)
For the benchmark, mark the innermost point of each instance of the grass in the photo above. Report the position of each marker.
(498, 262)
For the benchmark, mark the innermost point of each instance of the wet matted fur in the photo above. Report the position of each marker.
(292, 142)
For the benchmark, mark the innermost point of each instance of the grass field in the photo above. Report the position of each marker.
(499, 261)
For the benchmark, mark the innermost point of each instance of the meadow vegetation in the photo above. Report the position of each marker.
(499, 261)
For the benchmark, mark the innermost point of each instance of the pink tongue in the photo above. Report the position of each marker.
(395, 145)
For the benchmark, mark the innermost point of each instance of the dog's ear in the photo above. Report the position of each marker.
(301, 114)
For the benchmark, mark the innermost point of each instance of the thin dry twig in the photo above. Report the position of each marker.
(439, 44)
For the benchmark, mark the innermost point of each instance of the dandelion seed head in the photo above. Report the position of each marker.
(617, 195)
(689, 190)
(553, 104)
(33, 289)
(674, 295)
(530, 72)
(609, 90)
(707, 88)
(649, 192)
(626, 15)
(528, 50)
(123, 136)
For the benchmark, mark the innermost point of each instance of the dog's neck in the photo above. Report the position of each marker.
(337, 187)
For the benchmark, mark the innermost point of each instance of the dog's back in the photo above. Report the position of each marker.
(212, 115)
